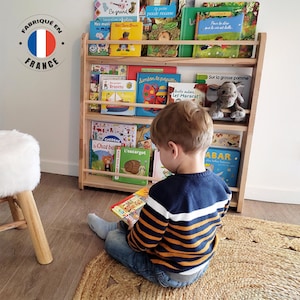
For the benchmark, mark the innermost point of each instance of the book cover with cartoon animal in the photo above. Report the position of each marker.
(165, 31)
(181, 91)
(129, 208)
(125, 134)
(132, 161)
(124, 31)
(218, 26)
(116, 11)
(99, 31)
(119, 94)
(155, 12)
(188, 24)
(152, 88)
(102, 155)
(224, 162)
(251, 11)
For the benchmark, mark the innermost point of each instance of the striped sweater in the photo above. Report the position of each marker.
(177, 226)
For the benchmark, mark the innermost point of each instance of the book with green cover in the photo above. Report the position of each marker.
(218, 26)
(251, 11)
(187, 27)
(133, 161)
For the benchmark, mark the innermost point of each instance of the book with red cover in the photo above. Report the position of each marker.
(132, 71)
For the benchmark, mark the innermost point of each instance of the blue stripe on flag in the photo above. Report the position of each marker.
(32, 43)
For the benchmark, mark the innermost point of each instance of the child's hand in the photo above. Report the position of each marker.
(130, 223)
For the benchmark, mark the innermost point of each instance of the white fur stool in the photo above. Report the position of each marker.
(19, 175)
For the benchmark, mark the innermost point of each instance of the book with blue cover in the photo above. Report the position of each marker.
(224, 162)
(218, 26)
(99, 31)
(152, 88)
(251, 11)
(188, 24)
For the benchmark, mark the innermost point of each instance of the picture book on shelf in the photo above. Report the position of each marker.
(163, 32)
(129, 208)
(116, 11)
(132, 71)
(124, 31)
(125, 134)
(224, 139)
(119, 93)
(146, 144)
(217, 26)
(224, 162)
(99, 31)
(94, 91)
(156, 12)
(133, 161)
(188, 25)
(180, 91)
(159, 171)
(214, 80)
(96, 87)
(251, 11)
(120, 70)
(102, 155)
(143, 133)
(153, 89)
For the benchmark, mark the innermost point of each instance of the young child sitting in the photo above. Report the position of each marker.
(175, 237)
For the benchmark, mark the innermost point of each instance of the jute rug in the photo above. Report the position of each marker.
(256, 259)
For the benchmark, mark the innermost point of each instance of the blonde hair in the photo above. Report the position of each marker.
(184, 123)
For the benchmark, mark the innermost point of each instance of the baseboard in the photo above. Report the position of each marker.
(272, 194)
(59, 167)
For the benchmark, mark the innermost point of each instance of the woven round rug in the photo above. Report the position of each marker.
(255, 259)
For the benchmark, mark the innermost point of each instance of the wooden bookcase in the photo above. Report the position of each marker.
(91, 178)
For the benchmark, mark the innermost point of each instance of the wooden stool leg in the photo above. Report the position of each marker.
(16, 212)
(35, 227)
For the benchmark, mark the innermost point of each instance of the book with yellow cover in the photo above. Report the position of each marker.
(119, 94)
(129, 207)
(124, 31)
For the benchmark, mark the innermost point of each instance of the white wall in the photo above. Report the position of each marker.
(46, 104)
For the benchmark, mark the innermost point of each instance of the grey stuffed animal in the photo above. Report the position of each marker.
(228, 97)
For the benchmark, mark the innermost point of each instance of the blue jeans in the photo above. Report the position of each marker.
(139, 262)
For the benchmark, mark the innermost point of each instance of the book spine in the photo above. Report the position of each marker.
(196, 26)
(117, 164)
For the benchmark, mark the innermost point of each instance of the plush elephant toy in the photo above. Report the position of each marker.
(228, 97)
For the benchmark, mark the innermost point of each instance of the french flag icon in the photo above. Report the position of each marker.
(41, 43)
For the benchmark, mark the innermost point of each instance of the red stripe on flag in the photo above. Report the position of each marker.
(50, 43)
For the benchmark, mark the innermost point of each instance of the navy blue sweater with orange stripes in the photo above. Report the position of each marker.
(177, 227)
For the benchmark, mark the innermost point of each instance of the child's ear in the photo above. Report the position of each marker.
(174, 148)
